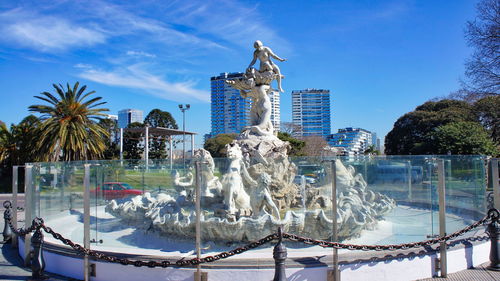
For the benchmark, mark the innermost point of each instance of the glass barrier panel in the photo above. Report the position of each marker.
(465, 190)
(59, 190)
(132, 209)
(150, 207)
(386, 200)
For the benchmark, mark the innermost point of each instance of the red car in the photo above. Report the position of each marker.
(115, 190)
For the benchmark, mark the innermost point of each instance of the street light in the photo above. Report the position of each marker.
(183, 108)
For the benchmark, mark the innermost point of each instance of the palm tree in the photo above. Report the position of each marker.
(372, 150)
(69, 130)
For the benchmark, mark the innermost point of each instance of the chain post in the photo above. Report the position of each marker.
(37, 260)
(279, 255)
(493, 230)
(7, 232)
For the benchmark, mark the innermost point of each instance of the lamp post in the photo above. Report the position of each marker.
(183, 108)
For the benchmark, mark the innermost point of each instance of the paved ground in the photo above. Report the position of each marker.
(476, 274)
(11, 264)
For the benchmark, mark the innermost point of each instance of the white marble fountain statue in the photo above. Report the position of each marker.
(245, 202)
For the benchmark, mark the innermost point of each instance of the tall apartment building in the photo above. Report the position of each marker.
(353, 141)
(311, 112)
(275, 111)
(127, 116)
(230, 111)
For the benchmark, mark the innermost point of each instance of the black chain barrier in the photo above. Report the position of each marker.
(38, 223)
(493, 215)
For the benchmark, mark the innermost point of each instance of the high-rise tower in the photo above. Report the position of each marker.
(127, 116)
(311, 112)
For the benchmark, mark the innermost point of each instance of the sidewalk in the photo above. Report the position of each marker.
(11, 264)
(479, 273)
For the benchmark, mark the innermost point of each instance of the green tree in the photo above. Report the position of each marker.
(18, 145)
(463, 138)
(296, 144)
(217, 145)
(411, 132)
(26, 135)
(487, 111)
(158, 118)
(7, 143)
(157, 144)
(132, 148)
(112, 150)
(68, 130)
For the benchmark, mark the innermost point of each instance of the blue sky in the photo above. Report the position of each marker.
(379, 59)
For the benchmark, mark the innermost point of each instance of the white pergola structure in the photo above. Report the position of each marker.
(157, 131)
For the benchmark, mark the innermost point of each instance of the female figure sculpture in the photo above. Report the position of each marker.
(264, 54)
(257, 85)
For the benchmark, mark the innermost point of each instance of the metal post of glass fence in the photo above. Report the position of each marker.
(495, 184)
(86, 220)
(334, 275)
(192, 145)
(146, 147)
(28, 209)
(170, 152)
(410, 195)
(198, 218)
(121, 146)
(15, 189)
(442, 217)
(61, 190)
(447, 177)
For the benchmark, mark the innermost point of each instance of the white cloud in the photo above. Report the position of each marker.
(140, 54)
(231, 21)
(194, 27)
(83, 65)
(135, 77)
(118, 21)
(46, 33)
